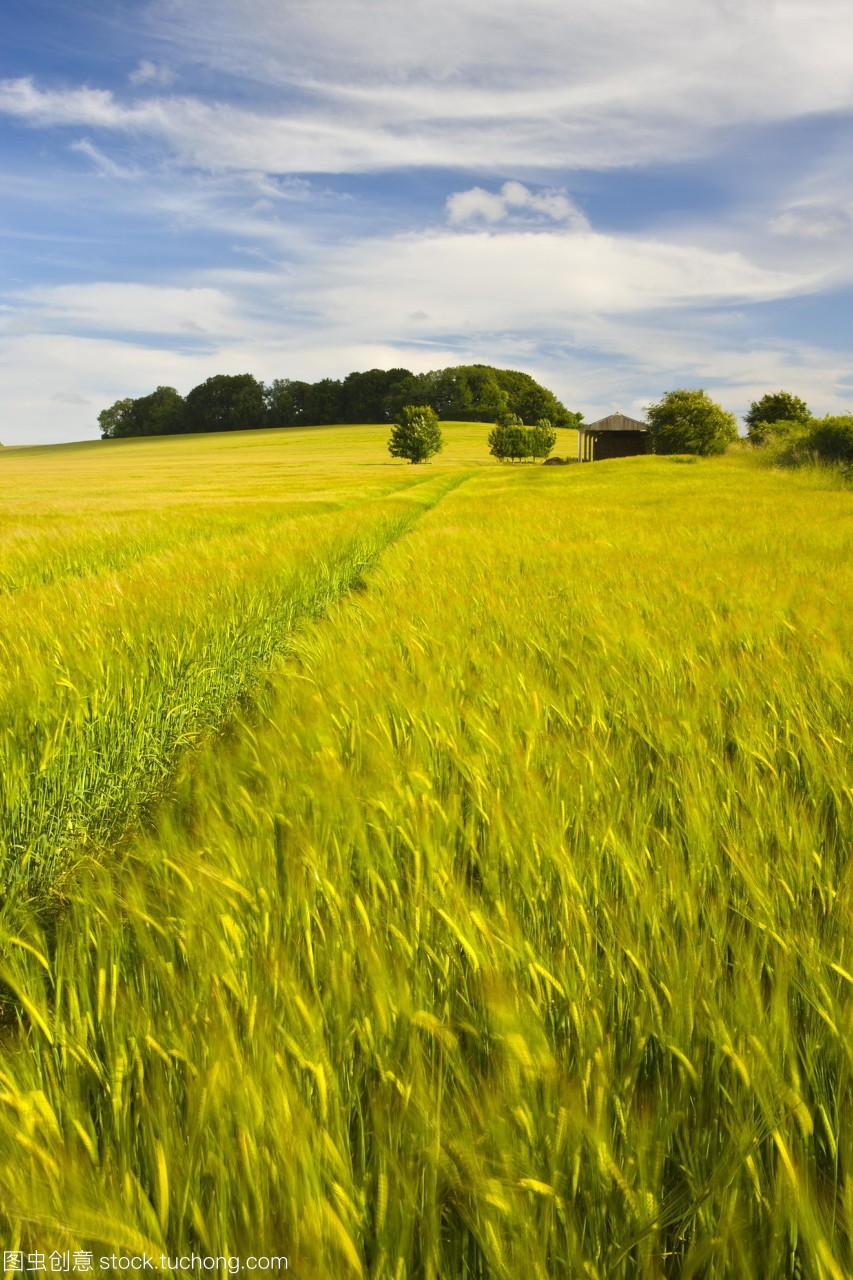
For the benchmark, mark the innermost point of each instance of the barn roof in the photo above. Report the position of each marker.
(616, 422)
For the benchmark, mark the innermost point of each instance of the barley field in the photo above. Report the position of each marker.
(431, 872)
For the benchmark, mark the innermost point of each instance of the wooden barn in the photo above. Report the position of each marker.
(616, 436)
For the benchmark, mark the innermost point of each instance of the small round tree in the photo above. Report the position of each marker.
(508, 440)
(689, 421)
(543, 437)
(776, 406)
(514, 440)
(416, 434)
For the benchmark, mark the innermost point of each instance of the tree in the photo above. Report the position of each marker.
(227, 402)
(822, 440)
(285, 400)
(506, 418)
(488, 399)
(323, 403)
(530, 400)
(404, 388)
(775, 406)
(473, 393)
(831, 438)
(481, 393)
(118, 420)
(377, 395)
(416, 434)
(689, 421)
(163, 413)
(543, 437)
(509, 438)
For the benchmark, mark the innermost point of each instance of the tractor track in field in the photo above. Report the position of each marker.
(97, 836)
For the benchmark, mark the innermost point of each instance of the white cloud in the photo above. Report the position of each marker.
(151, 73)
(102, 162)
(54, 385)
(550, 85)
(471, 84)
(493, 42)
(113, 307)
(514, 199)
(465, 206)
(46, 107)
(813, 222)
(517, 279)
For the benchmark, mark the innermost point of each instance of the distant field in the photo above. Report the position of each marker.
(499, 921)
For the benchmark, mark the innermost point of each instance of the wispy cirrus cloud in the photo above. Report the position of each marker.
(576, 84)
(102, 162)
(469, 85)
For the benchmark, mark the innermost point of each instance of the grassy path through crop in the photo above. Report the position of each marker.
(105, 682)
(510, 937)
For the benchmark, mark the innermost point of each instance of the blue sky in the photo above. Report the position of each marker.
(620, 199)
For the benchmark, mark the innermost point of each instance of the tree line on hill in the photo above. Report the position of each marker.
(239, 402)
(684, 421)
